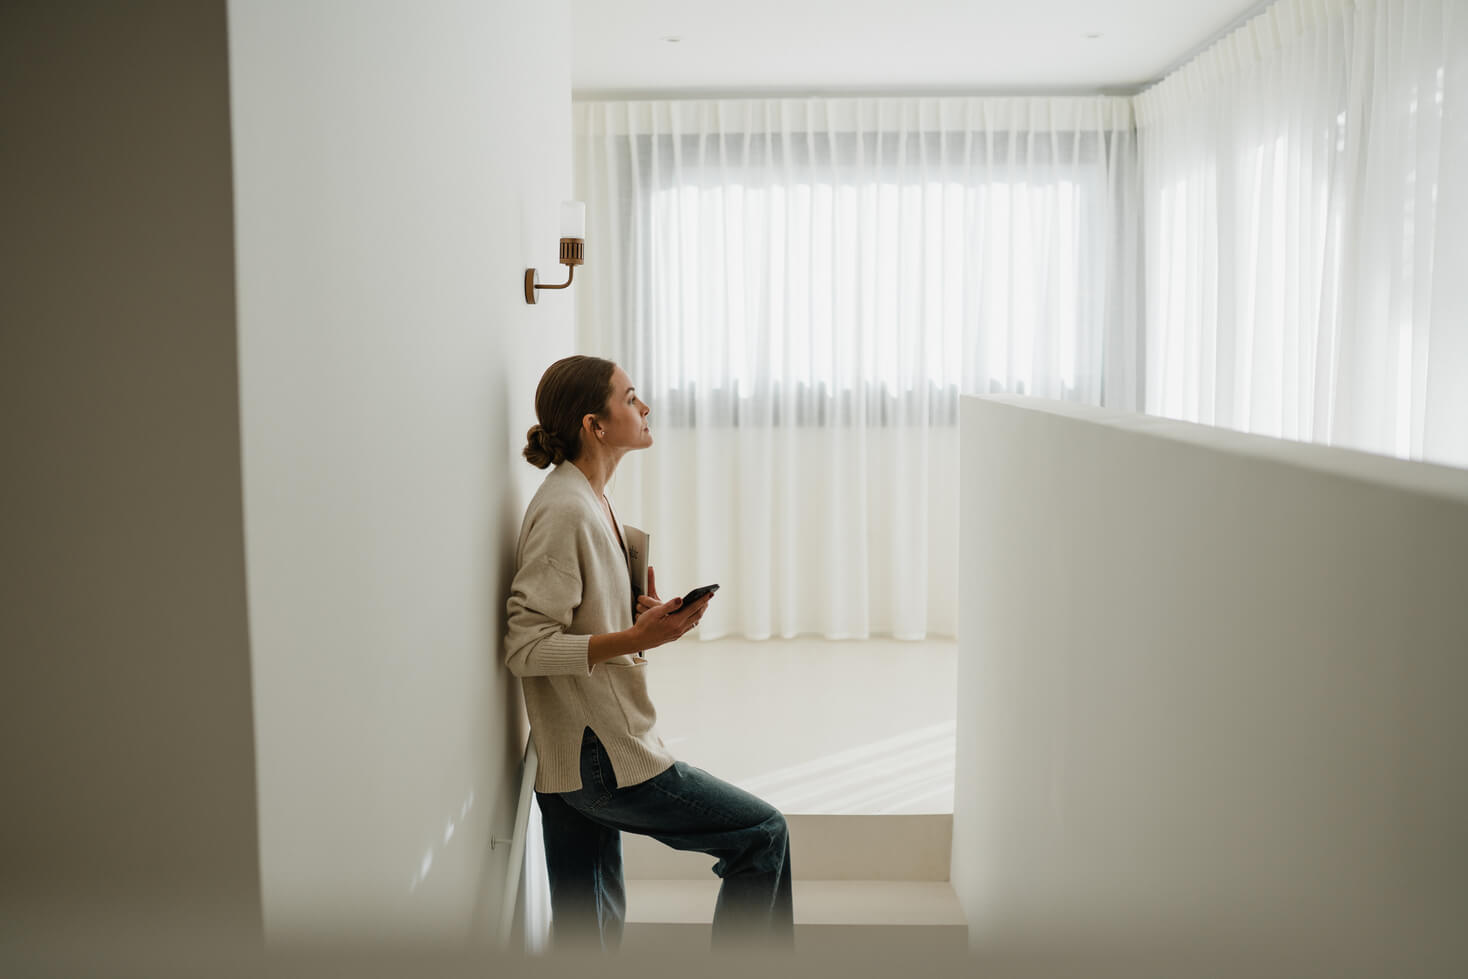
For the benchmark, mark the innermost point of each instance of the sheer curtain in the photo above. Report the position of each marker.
(1306, 258)
(801, 289)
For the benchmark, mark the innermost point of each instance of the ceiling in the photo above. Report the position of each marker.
(798, 47)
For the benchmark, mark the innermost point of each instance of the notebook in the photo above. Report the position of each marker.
(636, 541)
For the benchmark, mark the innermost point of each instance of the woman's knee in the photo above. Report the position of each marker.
(777, 833)
(778, 828)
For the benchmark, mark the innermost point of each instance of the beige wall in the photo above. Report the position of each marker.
(125, 711)
(1210, 687)
(398, 165)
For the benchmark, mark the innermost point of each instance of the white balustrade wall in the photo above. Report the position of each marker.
(1210, 687)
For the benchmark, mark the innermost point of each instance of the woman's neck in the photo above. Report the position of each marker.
(597, 467)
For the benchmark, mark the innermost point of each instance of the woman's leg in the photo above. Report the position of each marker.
(689, 809)
(584, 864)
(747, 909)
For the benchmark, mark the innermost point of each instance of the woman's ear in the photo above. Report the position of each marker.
(589, 426)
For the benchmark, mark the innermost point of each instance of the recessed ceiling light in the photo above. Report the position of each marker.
(672, 39)
(1091, 37)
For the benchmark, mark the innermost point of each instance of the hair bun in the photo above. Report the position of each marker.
(542, 448)
(547, 439)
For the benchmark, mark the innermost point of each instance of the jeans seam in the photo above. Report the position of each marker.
(600, 782)
(596, 896)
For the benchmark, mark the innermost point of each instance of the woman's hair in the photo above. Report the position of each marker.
(569, 390)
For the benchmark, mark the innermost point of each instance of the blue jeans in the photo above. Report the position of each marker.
(685, 808)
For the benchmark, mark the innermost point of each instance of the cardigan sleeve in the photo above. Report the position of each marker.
(543, 598)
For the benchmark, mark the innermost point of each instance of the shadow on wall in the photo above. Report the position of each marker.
(501, 534)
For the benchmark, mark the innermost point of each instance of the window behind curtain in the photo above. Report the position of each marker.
(872, 278)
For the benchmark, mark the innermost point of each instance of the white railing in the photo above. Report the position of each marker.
(516, 843)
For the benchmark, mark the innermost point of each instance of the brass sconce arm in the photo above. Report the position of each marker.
(531, 285)
(572, 255)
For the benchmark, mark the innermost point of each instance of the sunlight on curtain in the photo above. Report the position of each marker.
(806, 326)
(1302, 278)
(802, 288)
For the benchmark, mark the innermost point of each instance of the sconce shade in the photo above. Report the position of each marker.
(573, 219)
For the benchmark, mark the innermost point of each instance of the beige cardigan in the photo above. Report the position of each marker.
(572, 581)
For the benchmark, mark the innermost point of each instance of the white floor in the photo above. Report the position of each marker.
(814, 726)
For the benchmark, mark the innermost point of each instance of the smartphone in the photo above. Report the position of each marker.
(695, 595)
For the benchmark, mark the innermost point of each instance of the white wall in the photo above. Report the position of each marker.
(125, 717)
(1210, 685)
(397, 167)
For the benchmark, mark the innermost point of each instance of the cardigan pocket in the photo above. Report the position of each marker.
(629, 687)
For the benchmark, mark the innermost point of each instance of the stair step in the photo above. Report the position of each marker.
(675, 915)
(817, 902)
(839, 847)
(923, 944)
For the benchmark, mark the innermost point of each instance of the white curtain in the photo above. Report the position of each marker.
(801, 289)
(1306, 229)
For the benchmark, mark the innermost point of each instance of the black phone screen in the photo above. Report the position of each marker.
(696, 594)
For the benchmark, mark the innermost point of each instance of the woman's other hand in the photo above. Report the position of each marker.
(650, 600)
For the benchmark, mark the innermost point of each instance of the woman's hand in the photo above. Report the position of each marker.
(660, 623)
(650, 600)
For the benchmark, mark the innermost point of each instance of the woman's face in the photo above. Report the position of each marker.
(625, 425)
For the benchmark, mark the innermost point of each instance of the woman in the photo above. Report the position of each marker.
(574, 637)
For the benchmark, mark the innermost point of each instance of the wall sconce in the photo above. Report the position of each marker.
(573, 244)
